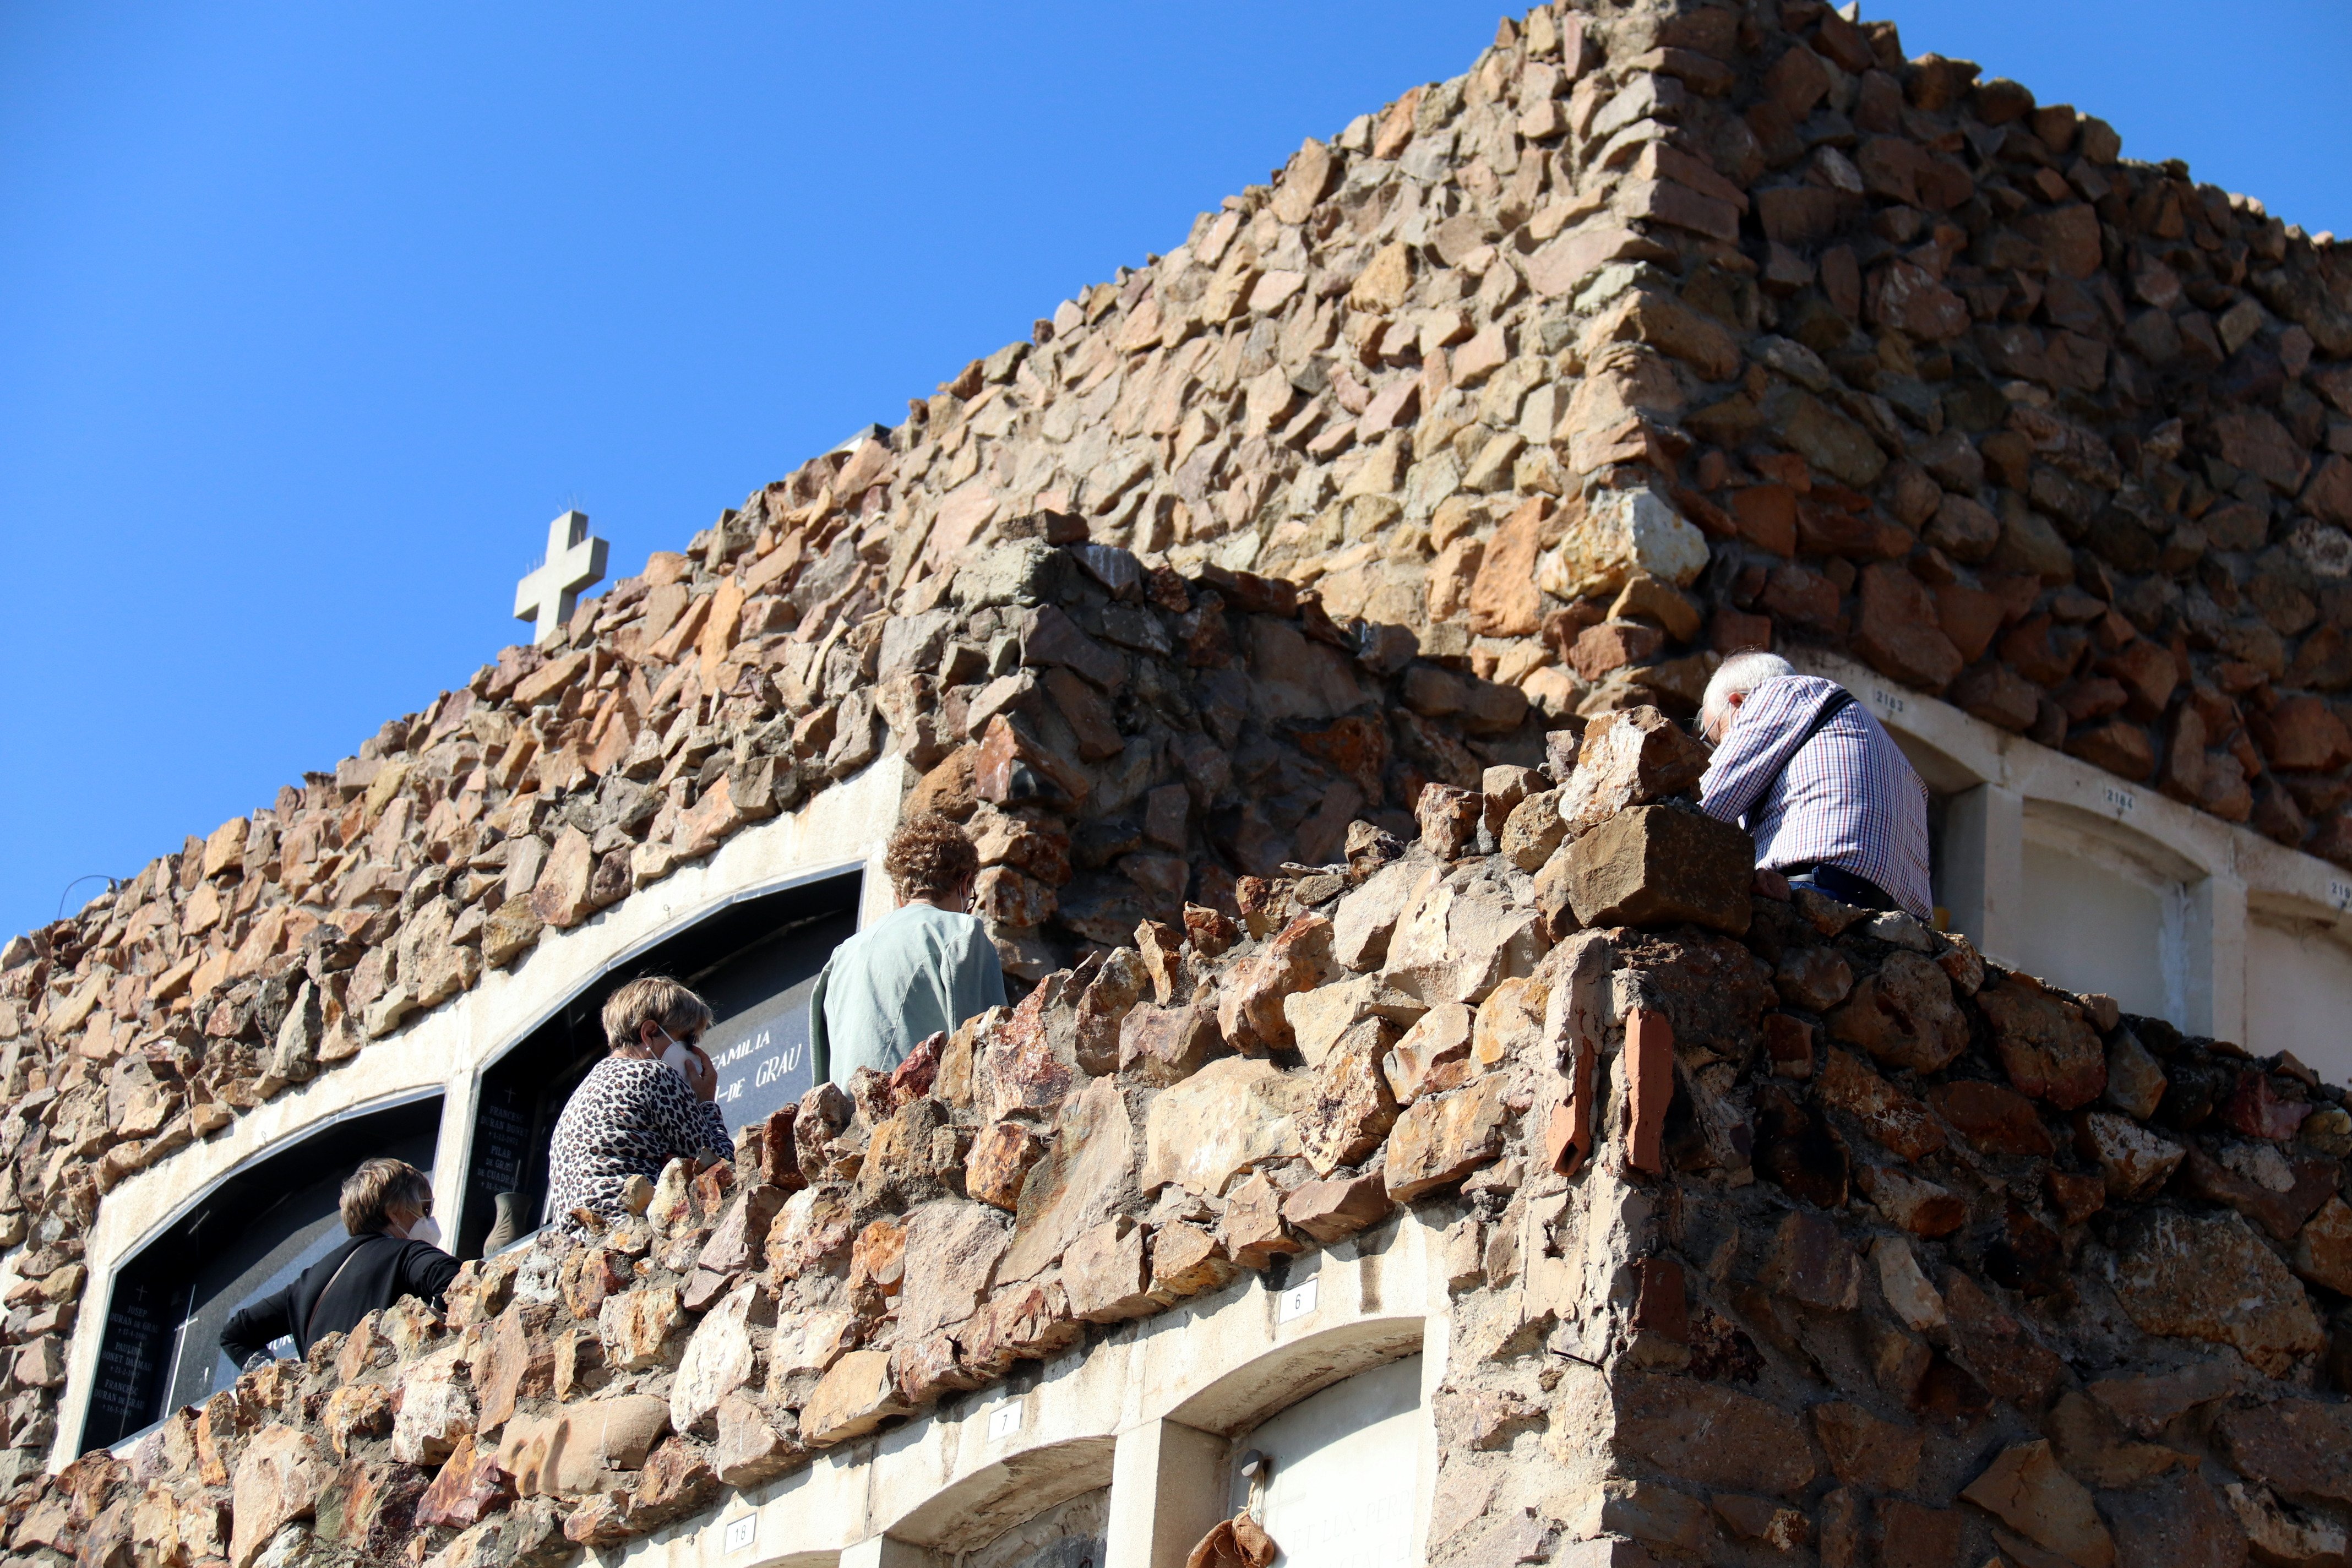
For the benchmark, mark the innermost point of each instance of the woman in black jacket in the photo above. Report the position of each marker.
(388, 1209)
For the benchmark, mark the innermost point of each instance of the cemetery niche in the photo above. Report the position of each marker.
(250, 1233)
(755, 961)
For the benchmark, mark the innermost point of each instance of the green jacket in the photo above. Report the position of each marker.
(914, 973)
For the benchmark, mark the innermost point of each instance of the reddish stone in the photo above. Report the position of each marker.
(1662, 865)
(1897, 631)
(2175, 1521)
(1904, 1015)
(1009, 770)
(471, 1485)
(779, 1151)
(1788, 1043)
(1921, 1207)
(2011, 1364)
(1660, 1303)
(1612, 644)
(2089, 698)
(1710, 1436)
(1999, 696)
(1105, 1272)
(1993, 1120)
(518, 1362)
(2301, 1449)
(1001, 1153)
(1732, 631)
(2133, 1160)
(676, 1482)
(1911, 1536)
(1970, 616)
(1167, 1044)
(1187, 1260)
(1889, 1115)
(1252, 1228)
(1504, 598)
(1908, 299)
(1028, 1322)
(1440, 1139)
(2302, 734)
(2121, 747)
(1249, 1012)
(1766, 516)
(2313, 1183)
(1839, 529)
(1333, 1210)
(2076, 1195)
(1210, 931)
(1796, 593)
(2148, 674)
(1867, 1450)
(2042, 1040)
(2040, 655)
(1356, 747)
(2256, 1110)
(1449, 819)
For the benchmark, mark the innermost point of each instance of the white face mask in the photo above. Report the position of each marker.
(426, 1230)
(675, 1057)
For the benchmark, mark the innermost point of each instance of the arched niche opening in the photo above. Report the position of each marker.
(754, 959)
(248, 1234)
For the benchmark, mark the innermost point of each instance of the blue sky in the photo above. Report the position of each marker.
(312, 316)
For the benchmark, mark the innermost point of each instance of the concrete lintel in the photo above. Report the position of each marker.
(885, 1552)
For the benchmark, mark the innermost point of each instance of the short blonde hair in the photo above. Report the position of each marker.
(929, 854)
(371, 1190)
(655, 999)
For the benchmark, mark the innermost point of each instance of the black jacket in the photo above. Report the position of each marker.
(382, 1269)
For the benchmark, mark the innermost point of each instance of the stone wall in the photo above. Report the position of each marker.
(1772, 1226)
(1658, 334)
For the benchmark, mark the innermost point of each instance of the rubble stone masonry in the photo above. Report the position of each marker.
(1298, 624)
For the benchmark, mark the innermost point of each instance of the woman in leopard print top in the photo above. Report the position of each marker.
(646, 1104)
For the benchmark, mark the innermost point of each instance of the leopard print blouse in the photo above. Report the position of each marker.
(629, 1117)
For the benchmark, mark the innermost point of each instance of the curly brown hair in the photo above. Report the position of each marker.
(930, 855)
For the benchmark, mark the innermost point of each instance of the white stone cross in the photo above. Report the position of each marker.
(574, 561)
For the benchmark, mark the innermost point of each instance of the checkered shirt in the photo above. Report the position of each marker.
(1848, 797)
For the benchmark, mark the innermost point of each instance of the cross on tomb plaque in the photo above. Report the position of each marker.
(574, 562)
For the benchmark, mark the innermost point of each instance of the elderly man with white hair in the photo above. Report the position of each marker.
(1830, 799)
